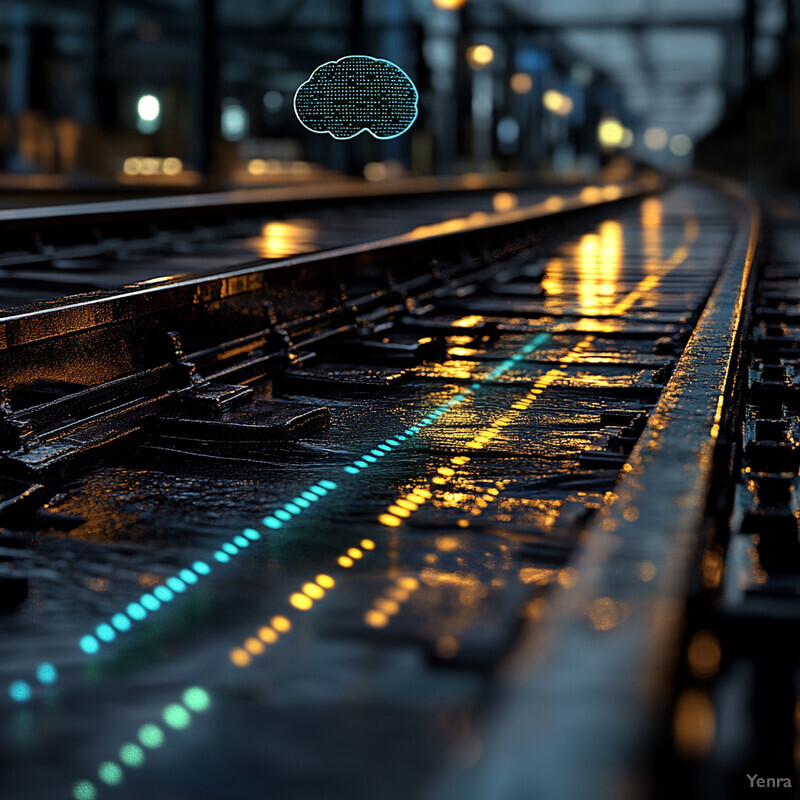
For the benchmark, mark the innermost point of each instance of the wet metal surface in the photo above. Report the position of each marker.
(60, 262)
(319, 611)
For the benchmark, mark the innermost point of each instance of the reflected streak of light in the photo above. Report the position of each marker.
(589, 195)
(691, 230)
(652, 243)
(604, 613)
(467, 322)
(552, 280)
(598, 260)
(717, 417)
(483, 437)
(287, 238)
(538, 576)
(681, 254)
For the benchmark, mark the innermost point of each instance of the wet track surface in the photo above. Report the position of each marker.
(59, 263)
(339, 598)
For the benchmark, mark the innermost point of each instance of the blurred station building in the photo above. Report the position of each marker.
(199, 92)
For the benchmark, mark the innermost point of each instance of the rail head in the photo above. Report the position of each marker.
(583, 688)
(280, 198)
(444, 242)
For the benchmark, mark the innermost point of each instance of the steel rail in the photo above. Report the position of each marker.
(584, 689)
(413, 255)
(239, 201)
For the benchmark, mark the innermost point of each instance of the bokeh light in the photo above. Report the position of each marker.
(46, 673)
(20, 691)
(480, 56)
(680, 144)
(627, 138)
(196, 699)
(151, 736)
(655, 139)
(110, 773)
(557, 103)
(610, 132)
(131, 755)
(521, 83)
(148, 107)
(176, 716)
(84, 790)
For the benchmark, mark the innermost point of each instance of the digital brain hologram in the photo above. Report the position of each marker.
(355, 94)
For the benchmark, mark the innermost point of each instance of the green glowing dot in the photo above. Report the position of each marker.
(110, 773)
(176, 716)
(84, 790)
(196, 699)
(151, 736)
(131, 755)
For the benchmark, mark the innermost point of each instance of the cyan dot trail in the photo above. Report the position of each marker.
(368, 459)
(122, 622)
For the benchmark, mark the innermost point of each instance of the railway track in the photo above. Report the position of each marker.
(418, 517)
(51, 252)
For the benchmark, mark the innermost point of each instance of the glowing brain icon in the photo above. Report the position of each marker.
(356, 94)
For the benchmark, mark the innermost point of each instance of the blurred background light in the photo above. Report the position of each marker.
(582, 74)
(627, 138)
(480, 56)
(148, 111)
(507, 134)
(610, 132)
(521, 83)
(375, 171)
(680, 144)
(155, 107)
(273, 101)
(655, 139)
(234, 121)
(148, 107)
(557, 102)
